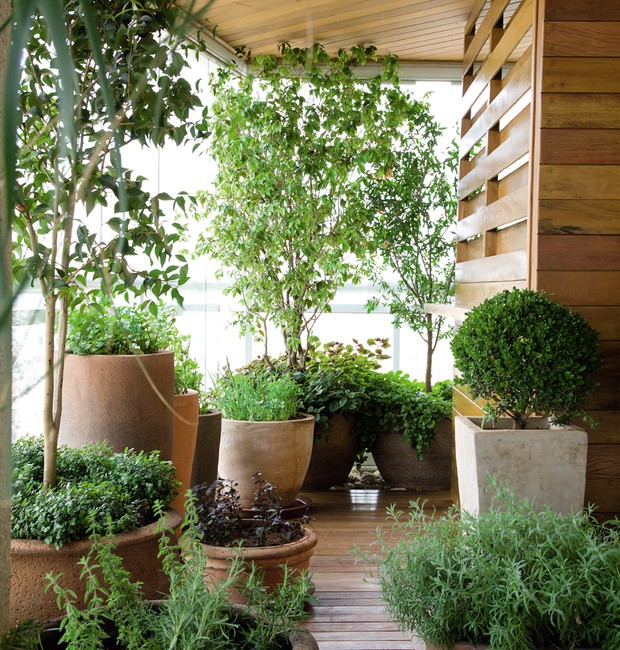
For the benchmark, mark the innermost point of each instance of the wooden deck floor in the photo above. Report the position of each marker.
(349, 614)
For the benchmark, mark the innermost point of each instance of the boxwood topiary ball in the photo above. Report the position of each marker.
(525, 354)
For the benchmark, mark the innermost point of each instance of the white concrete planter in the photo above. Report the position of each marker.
(547, 465)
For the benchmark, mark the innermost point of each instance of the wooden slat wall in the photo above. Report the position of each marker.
(496, 127)
(576, 207)
(553, 223)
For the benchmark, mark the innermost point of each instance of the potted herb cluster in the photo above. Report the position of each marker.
(512, 577)
(266, 541)
(96, 490)
(264, 431)
(531, 360)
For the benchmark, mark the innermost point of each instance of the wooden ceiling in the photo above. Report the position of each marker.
(415, 30)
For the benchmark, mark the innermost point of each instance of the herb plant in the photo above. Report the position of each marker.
(193, 616)
(511, 577)
(220, 521)
(525, 354)
(123, 487)
(294, 140)
(256, 396)
(413, 217)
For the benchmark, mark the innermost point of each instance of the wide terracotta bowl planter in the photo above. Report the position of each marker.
(184, 432)
(400, 467)
(31, 560)
(207, 448)
(333, 455)
(124, 399)
(418, 644)
(279, 450)
(268, 559)
(547, 465)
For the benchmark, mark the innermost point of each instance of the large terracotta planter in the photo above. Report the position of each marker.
(31, 560)
(418, 644)
(333, 455)
(269, 559)
(124, 399)
(546, 465)
(207, 448)
(279, 450)
(400, 467)
(184, 431)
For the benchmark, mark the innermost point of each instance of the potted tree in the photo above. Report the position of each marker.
(268, 543)
(513, 577)
(530, 359)
(413, 217)
(263, 431)
(294, 140)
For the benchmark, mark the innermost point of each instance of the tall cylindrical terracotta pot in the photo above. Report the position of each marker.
(32, 559)
(400, 467)
(124, 399)
(279, 450)
(333, 455)
(184, 431)
(207, 448)
(268, 559)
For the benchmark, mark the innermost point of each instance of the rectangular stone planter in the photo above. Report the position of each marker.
(547, 465)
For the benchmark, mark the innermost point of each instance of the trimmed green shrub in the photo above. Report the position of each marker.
(95, 486)
(511, 577)
(525, 354)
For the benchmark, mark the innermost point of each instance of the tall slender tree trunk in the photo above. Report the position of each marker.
(5, 347)
(429, 354)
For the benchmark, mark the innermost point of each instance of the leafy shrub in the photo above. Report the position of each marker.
(257, 396)
(525, 354)
(94, 486)
(511, 577)
(395, 402)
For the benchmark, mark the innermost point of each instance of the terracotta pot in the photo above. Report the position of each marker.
(280, 450)
(269, 559)
(184, 431)
(207, 448)
(333, 455)
(124, 399)
(418, 644)
(31, 560)
(400, 467)
(547, 465)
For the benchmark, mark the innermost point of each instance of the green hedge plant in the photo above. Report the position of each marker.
(525, 354)
(95, 487)
(512, 577)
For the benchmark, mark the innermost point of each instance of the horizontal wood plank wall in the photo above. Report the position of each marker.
(576, 209)
(496, 131)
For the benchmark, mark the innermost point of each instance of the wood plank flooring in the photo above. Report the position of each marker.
(349, 613)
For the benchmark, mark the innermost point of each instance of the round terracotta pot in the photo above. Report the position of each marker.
(31, 560)
(269, 559)
(207, 448)
(184, 431)
(333, 455)
(279, 450)
(400, 467)
(124, 399)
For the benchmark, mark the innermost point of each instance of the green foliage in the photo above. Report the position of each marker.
(94, 486)
(256, 396)
(294, 142)
(396, 403)
(413, 215)
(525, 355)
(511, 577)
(193, 616)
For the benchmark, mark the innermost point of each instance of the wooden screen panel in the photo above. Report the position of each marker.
(576, 202)
(492, 238)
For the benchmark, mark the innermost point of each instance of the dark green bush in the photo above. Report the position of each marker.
(94, 486)
(511, 577)
(525, 354)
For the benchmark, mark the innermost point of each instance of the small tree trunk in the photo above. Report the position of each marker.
(50, 430)
(429, 354)
(6, 342)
